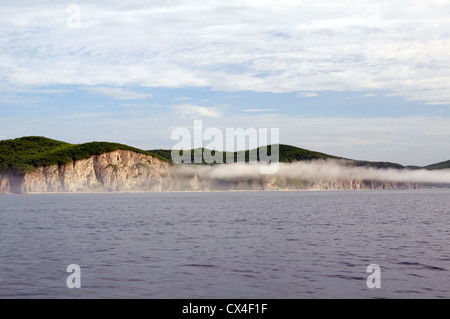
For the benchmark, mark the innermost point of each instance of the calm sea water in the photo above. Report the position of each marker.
(226, 244)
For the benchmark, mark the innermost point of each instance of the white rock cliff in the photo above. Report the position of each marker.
(127, 171)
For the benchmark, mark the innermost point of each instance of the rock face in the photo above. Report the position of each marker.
(4, 185)
(116, 171)
(127, 171)
(281, 184)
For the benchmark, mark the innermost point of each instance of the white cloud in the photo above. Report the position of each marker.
(141, 105)
(259, 110)
(51, 91)
(119, 94)
(83, 115)
(272, 46)
(194, 111)
(314, 171)
(307, 94)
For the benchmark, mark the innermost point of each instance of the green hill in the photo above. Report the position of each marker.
(441, 165)
(287, 154)
(22, 155)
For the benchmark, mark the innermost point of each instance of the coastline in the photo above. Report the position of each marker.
(230, 191)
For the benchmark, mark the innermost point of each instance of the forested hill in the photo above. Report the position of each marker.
(22, 155)
(441, 165)
(287, 154)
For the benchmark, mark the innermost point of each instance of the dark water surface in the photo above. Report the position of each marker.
(226, 244)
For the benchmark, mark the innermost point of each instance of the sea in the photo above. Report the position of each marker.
(249, 244)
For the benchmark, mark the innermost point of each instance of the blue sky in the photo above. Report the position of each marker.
(360, 79)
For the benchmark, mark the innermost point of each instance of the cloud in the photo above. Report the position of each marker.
(197, 111)
(51, 91)
(396, 46)
(315, 171)
(85, 115)
(120, 94)
(259, 110)
(393, 48)
(307, 94)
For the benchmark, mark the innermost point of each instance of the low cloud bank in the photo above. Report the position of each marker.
(314, 171)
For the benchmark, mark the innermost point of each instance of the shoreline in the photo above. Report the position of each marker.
(226, 191)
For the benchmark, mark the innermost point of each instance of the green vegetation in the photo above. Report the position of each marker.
(441, 165)
(24, 154)
(163, 153)
(377, 164)
(413, 167)
(287, 154)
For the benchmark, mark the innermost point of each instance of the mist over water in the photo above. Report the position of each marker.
(314, 171)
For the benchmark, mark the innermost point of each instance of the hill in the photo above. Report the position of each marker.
(38, 164)
(287, 154)
(24, 154)
(21, 155)
(441, 165)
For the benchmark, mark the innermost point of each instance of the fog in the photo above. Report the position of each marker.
(313, 171)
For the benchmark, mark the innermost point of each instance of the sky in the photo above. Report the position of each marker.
(366, 80)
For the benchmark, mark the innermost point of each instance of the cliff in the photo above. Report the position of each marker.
(128, 171)
(36, 164)
(282, 184)
(118, 171)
